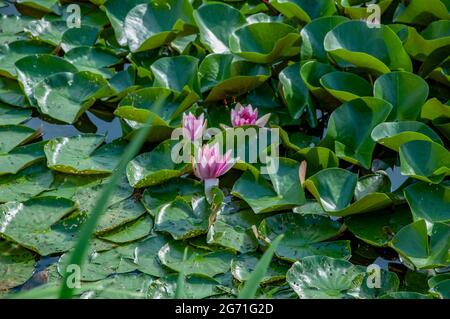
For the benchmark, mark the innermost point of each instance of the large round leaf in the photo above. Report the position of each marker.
(345, 86)
(16, 265)
(82, 155)
(394, 134)
(12, 115)
(323, 277)
(305, 10)
(182, 220)
(226, 76)
(313, 35)
(195, 287)
(92, 59)
(155, 167)
(429, 202)
(34, 224)
(348, 44)
(350, 126)
(215, 35)
(265, 42)
(189, 260)
(14, 51)
(305, 236)
(148, 26)
(406, 92)
(425, 160)
(65, 96)
(243, 265)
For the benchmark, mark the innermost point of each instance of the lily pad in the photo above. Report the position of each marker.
(392, 87)
(305, 236)
(394, 134)
(21, 157)
(425, 160)
(155, 167)
(285, 191)
(25, 184)
(190, 260)
(224, 75)
(350, 126)
(429, 202)
(378, 228)
(324, 277)
(305, 10)
(131, 231)
(195, 287)
(347, 44)
(146, 255)
(346, 86)
(215, 35)
(82, 155)
(245, 264)
(11, 93)
(148, 26)
(66, 96)
(182, 220)
(334, 189)
(412, 243)
(16, 265)
(265, 42)
(35, 224)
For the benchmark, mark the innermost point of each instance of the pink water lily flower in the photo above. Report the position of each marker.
(209, 164)
(193, 127)
(246, 115)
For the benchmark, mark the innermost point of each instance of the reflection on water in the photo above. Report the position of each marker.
(90, 124)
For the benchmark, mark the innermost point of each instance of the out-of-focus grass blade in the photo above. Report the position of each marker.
(85, 235)
(179, 292)
(252, 284)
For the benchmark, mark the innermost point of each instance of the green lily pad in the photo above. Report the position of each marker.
(21, 157)
(425, 160)
(378, 228)
(148, 26)
(233, 230)
(334, 189)
(131, 231)
(224, 75)
(16, 265)
(156, 196)
(305, 10)
(146, 255)
(92, 59)
(14, 51)
(429, 202)
(66, 96)
(313, 35)
(354, 10)
(392, 87)
(420, 12)
(285, 191)
(34, 68)
(389, 282)
(35, 224)
(119, 214)
(311, 73)
(243, 265)
(82, 155)
(85, 35)
(294, 91)
(13, 116)
(404, 295)
(346, 43)
(305, 236)
(265, 42)
(323, 277)
(189, 260)
(412, 243)
(116, 11)
(346, 86)
(195, 287)
(215, 35)
(25, 184)
(11, 93)
(350, 126)
(394, 134)
(182, 220)
(155, 167)
(15, 135)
